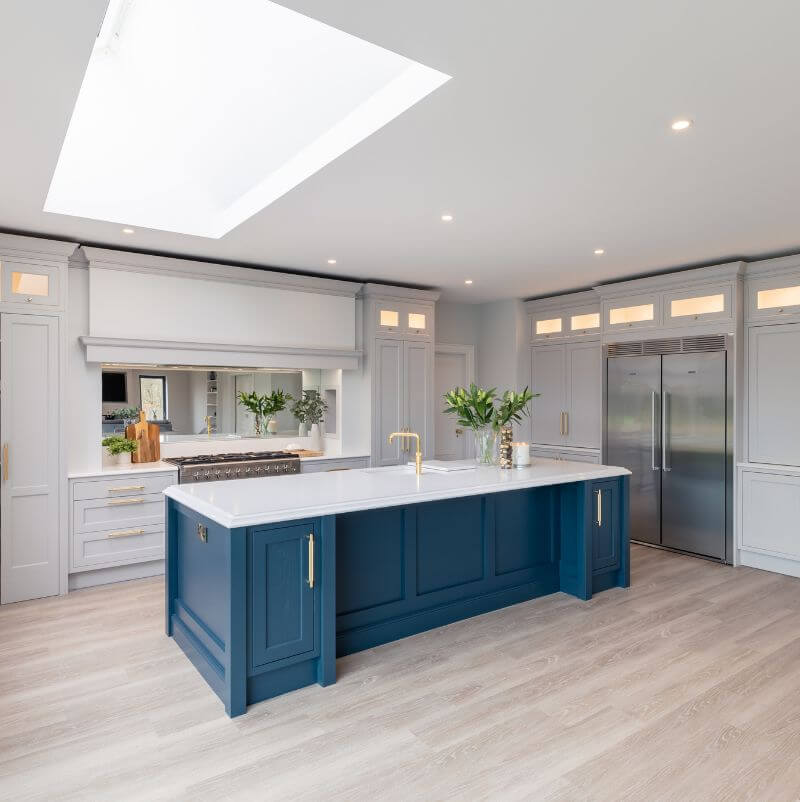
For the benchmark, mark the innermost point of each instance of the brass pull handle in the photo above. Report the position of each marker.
(125, 489)
(566, 423)
(459, 432)
(311, 560)
(122, 501)
(561, 424)
(5, 462)
(599, 507)
(125, 533)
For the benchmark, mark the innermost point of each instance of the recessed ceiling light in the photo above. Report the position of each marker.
(127, 231)
(467, 281)
(331, 261)
(321, 91)
(447, 218)
(681, 125)
(599, 251)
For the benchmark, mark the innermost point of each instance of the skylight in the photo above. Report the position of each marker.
(194, 115)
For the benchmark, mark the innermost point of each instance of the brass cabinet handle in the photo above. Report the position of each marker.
(599, 507)
(124, 489)
(566, 423)
(5, 462)
(125, 533)
(311, 560)
(120, 501)
(561, 424)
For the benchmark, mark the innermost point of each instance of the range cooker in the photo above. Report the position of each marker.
(249, 465)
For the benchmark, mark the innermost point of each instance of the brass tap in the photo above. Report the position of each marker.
(418, 456)
(208, 425)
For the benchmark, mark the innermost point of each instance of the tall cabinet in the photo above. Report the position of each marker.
(769, 474)
(32, 362)
(398, 344)
(566, 366)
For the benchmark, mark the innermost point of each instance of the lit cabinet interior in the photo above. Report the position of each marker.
(417, 321)
(30, 283)
(778, 298)
(590, 320)
(389, 318)
(550, 326)
(627, 315)
(701, 305)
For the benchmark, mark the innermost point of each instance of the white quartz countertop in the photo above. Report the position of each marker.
(249, 502)
(110, 472)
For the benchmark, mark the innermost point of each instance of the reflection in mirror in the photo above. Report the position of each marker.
(196, 402)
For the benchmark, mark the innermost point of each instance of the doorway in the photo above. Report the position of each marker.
(454, 366)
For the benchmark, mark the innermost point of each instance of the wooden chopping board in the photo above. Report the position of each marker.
(146, 436)
(304, 452)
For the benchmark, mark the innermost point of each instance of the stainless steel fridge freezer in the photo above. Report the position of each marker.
(667, 421)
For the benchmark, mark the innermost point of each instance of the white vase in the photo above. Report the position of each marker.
(316, 438)
(116, 460)
(272, 426)
(303, 431)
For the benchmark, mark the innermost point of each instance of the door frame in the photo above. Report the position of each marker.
(468, 351)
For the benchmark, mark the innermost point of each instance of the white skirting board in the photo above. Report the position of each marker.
(766, 562)
(122, 573)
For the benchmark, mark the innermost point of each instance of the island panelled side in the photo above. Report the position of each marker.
(266, 609)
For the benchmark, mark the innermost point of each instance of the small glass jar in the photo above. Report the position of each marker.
(521, 455)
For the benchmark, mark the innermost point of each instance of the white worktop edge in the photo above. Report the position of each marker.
(185, 494)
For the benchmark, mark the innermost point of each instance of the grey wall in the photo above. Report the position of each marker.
(457, 324)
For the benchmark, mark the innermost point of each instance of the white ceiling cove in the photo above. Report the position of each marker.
(551, 140)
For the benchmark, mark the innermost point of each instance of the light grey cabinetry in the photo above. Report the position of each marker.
(117, 521)
(399, 326)
(569, 410)
(29, 433)
(583, 394)
(770, 515)
(773, 393)
(388, 400)
(402, 397)
(547, 379)
(333, 464)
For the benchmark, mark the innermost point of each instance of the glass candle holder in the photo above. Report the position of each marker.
(521, 455)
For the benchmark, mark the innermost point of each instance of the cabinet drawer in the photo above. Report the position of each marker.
(320, 466)
(123, 486)
(112, 547)
(95, 515)
(770, 513)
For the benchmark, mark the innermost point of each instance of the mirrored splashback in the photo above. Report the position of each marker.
(188, 403)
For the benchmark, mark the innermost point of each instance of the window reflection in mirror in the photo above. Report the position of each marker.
(190, 402)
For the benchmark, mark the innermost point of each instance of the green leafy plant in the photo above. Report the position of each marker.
(116, 444)
(474, 407)
(125, 413)
(311, 408)
(265, 405)
(512, 407)
(477, 407)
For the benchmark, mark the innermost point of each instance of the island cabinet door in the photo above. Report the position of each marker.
(282, 594)
(605, 509)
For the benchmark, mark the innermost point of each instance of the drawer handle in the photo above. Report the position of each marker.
(599, 507)
(125, 533)
(311, 560)
(125, 489)
(121, 501)
(5, 462)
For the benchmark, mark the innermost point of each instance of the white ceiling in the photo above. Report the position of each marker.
(551, 140)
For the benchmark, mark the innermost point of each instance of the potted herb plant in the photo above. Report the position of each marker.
(310, 410)
(118, 450)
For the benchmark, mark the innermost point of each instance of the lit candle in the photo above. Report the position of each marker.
(520, 455)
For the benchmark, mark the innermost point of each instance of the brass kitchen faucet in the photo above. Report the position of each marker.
(419, 447)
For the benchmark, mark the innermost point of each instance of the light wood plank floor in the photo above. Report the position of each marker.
(685, 687)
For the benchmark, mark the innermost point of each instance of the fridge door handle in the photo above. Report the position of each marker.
(664, 434)
(653, 431)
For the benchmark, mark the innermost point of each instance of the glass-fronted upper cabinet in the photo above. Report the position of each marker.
(27, 284)
(638, 312)
(405, 319)
(773, 296)
(584, 323)
(547, 326)
(417, 322)
(685, 307)
(388, 319)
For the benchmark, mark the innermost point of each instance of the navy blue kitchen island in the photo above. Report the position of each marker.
(270, 579)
